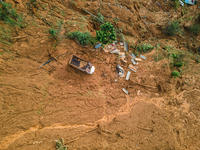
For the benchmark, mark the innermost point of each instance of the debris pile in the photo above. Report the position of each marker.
(121, 49)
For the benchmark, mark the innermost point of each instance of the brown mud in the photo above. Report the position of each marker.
(39, 106)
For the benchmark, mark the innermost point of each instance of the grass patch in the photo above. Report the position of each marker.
(9, 15)
(53, 33)
(119, 34)
(175, 74)
(158, 57)
(145, 48)
(82, 38)
(173, 28)
(195, 29)
(176, 4)
(39, 111)
(5, 42)
(100, 17)
(60, 145)
(89, 93)
(115, 20)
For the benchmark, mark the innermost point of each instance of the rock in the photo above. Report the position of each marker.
(42, 41)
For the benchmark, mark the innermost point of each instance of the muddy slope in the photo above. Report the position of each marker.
(39, 106)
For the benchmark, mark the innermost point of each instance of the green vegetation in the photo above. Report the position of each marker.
(115, 20)
(177, 59)
(195, 29)
(72, 2)
(176, 3)
(83, 38)
(197, 60)
(144, 48)
(5, 35)
(39, 111)
(132, 46)
(100, 16)
(136, 54)
(119, 34)
(158, 57)
(34, 2)
(175, 74)
(173, 28)
(9, 15)
(60, 145)
(106, 34)
(56, 28)
(53, 33)
(63, 13)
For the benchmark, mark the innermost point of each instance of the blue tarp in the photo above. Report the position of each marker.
(192, 2)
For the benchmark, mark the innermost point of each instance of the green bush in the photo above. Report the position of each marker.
(173, 28)
(178, 65)
(53, 32)
(195, 29)
(83, 38)
(106, 34)
(144, 48)
(175, 74)
(197, 60)
(9, 15)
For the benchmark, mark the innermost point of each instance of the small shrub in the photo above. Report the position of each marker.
(83, 38)
(157, 57)
(53, 32)
(144, 48)
(132, 46)
(100, 16)
(115, 20)
(195, 29)
(178, 65)
(60, 145)
(106, 34)
(197, 60)
(176, 3)
(173, 28)
(136, 54)
(175, 74)
(119, 34)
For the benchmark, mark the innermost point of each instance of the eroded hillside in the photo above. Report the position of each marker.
(41, 105)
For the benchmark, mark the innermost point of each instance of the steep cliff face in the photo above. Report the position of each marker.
(41, 105)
